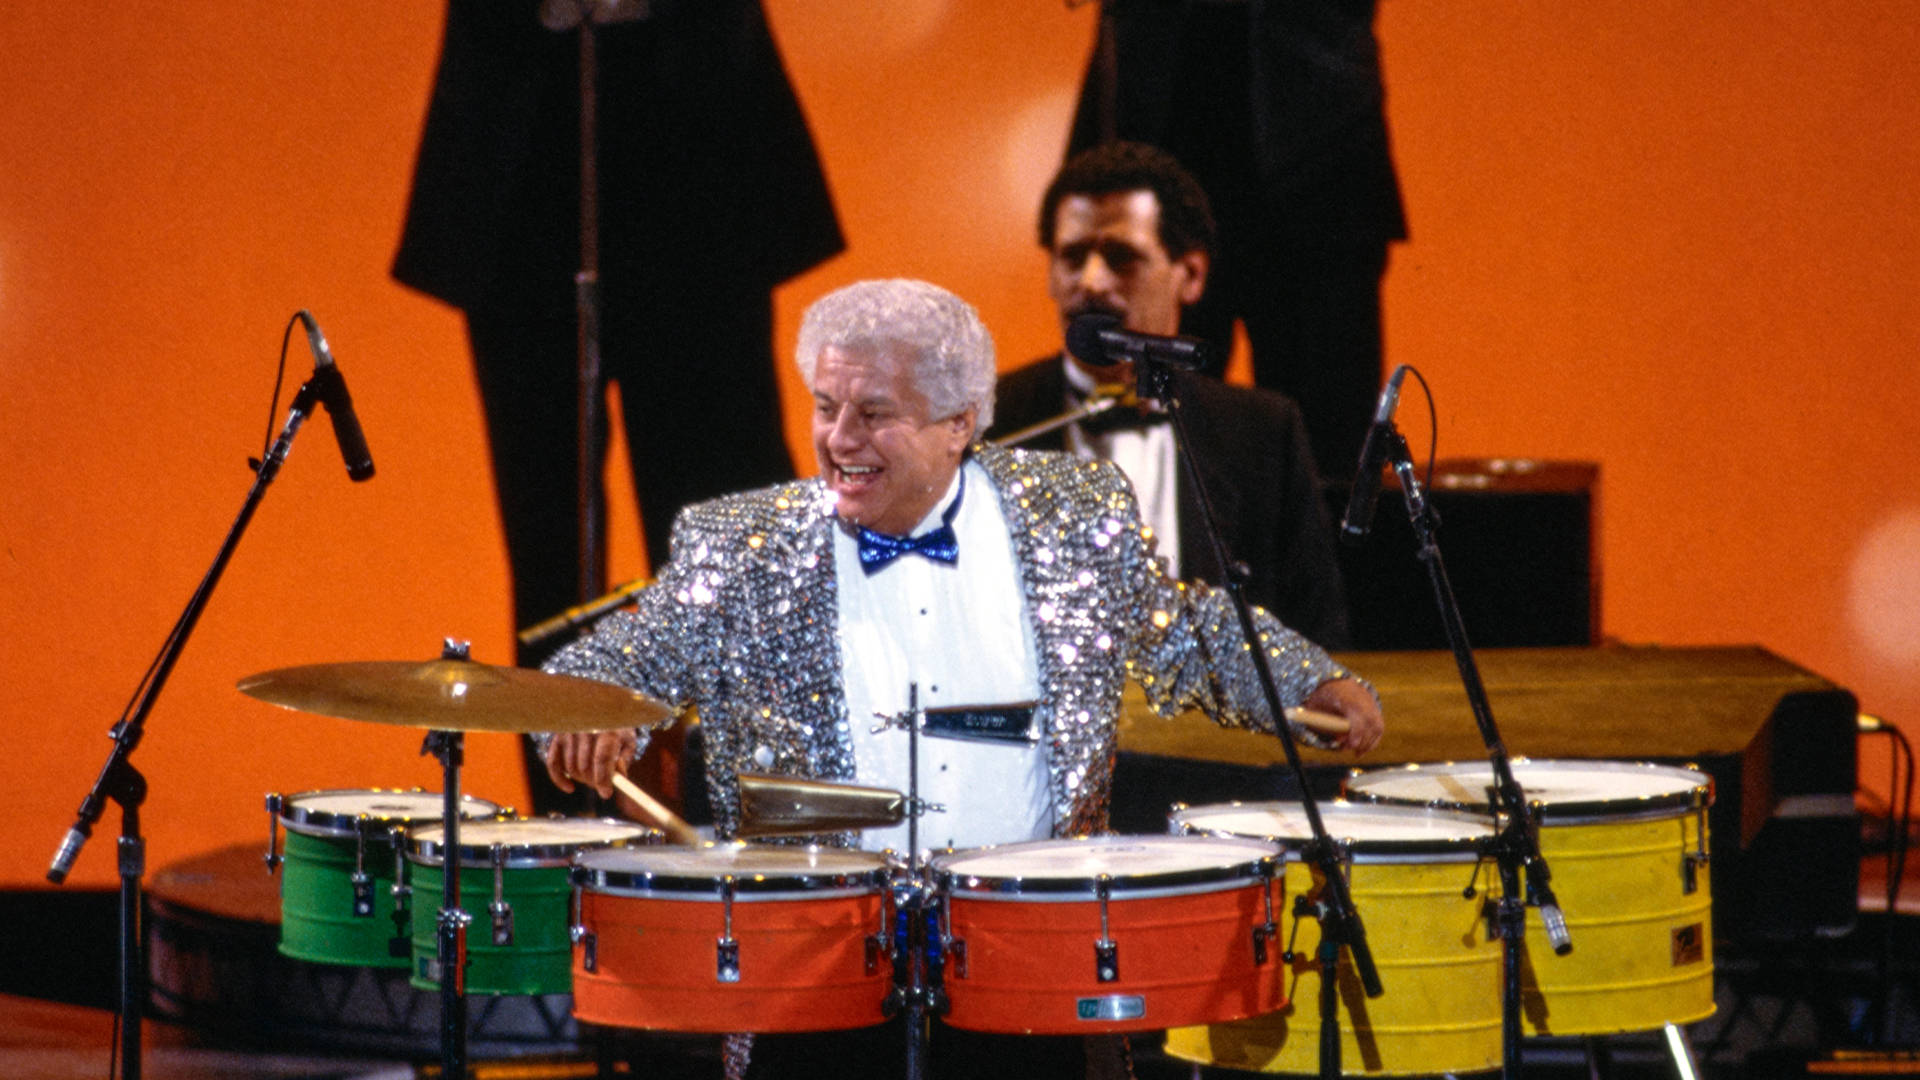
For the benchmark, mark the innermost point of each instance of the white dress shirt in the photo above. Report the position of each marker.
(962, 635)
(1147, 457)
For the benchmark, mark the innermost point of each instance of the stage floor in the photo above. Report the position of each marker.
(45, 1040)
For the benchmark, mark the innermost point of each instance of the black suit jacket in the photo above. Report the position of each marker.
(1315, 149)
(708, 175)
(1251, 447)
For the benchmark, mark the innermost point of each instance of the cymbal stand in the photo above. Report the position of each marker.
(121, 783)
(450, 952)
(1340, 925)
(1516, 845)
(916, 990)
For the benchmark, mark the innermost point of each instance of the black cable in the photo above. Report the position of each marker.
(1903, 799)
(1433, 423)
(279, 380)
(1899, 823)
(166, 643)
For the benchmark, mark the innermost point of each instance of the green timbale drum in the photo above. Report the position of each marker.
(342, 860)
(516, 887)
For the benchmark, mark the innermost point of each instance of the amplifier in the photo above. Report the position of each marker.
(1518, 539)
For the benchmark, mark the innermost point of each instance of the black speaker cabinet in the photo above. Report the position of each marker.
(1517, 538)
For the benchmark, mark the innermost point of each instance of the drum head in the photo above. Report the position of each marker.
(1131, 865)
(340, 812)
(751, 870)
(525, 842)
(1566, 790)
(1365, 829)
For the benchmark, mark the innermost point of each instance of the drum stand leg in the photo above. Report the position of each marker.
(1510, 915)
(1329, 958)
(1599, 1060)
(1681, 1048)
(451, 942)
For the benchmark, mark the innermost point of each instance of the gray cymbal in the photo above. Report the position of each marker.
(456, 695)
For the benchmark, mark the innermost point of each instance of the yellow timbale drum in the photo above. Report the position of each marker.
(1626, 843)
(1410, 872)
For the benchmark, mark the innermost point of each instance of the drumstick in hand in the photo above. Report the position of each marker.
(1325, 723)
(673, 824)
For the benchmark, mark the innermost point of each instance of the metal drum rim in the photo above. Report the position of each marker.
(1263, 864)
(328, 823)
(424, 852)
(1442, 848)
(764, 885)
(1571, 812)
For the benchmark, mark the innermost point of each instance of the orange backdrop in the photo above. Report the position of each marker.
(1674, 238)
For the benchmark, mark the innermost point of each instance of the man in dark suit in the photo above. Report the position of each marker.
(710, 194)
(1130, 234)
(1279, 109)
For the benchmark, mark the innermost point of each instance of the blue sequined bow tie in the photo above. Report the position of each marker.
(877, 549)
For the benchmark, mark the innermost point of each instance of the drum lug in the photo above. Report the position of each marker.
(1268, 930)
(877, 941)
(589, 953)
(1697, 858)
(1690, 871)
(953, 950)
(502, 913)
(400, 944)
(726, 949)
(273, 833)
(362, 884)
(576, 927)
(1106, 953)
(499, 909)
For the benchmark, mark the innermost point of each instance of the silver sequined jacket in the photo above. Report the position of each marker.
(742, 625)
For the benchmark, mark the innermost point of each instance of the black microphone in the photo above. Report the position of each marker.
(1096, 338)
(332, 389)
(1373, 452)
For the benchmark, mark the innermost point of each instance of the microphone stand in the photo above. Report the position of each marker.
(1340, 924)
(1516, 845)
(120, 782)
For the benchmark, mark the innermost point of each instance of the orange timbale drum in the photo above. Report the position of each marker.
(732, 937)
(1110, 934)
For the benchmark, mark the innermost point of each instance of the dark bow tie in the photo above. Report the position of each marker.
(877, 549)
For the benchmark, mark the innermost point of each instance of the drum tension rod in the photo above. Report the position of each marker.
(577, 931)
(273, 833)
(727, 961)
(400, 945)
(362, 883)
(501, 911)
(877, 942)
(1697, 858)
(1106, 954)
(1268, 930)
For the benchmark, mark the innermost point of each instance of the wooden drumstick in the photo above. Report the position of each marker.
(673, 824)
(1325, 723)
